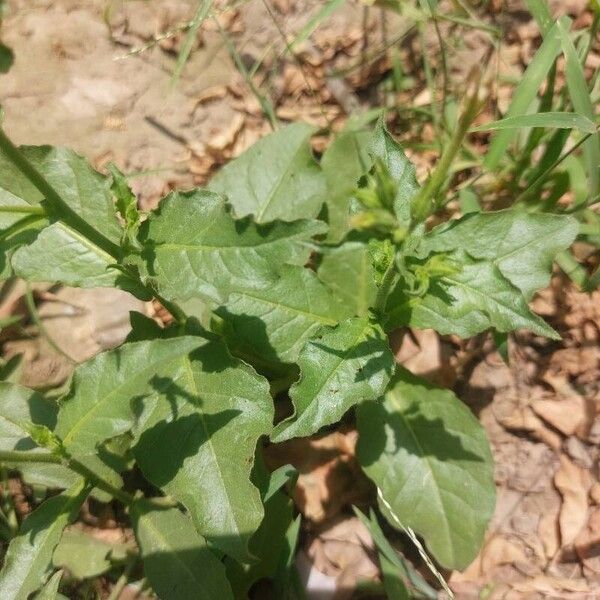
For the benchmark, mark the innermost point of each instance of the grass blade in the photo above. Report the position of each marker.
(526, 92)
(580, 97)
(550, 120)
(202, 11)
(323, 13)
(541, 13)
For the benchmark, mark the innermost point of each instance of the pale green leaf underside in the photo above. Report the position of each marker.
(430, 458)
(344, 162)
(19, 407)
(522, 245)
(275, 322)
(78, 184)
(197, 438)
(338, 369)
(177, 561)
(50, 590)
(196, 248)
(466, 303)
(85, 556)
(276, 179)
(29, 554)
(98, 406)
(348, 272)
(60, 254)
(386, 149)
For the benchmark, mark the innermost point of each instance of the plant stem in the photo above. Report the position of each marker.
(122, 581)
(424, 204)
(387, 283)
(19, 456)
(26, 210)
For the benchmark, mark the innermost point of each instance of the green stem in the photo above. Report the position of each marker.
(19, 456)
(387, 283)
(533, 186)
(27, 210)
(424, 204)
(122, 581)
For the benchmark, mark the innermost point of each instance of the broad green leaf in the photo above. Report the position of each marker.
(29, 554)
(50, 590)
(197, 439)
(522, 245)
(177, 561)
(551, 120)
(16, 229)
(275, 322)
(338, 369)
(525, 93)
(391, 155)
(275, 179)
(86, 556)
(476, 298)
(348, 272)
(344, 162)
(20, 407)
(57, 476)
(82, 188)
(194, 247)
(61, 254)
(98, 406)
(431, 461)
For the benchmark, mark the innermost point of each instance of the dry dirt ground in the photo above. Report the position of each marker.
(96, 75)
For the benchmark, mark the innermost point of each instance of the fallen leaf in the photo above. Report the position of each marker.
(573, 483)
(500, 551)
(587, 543)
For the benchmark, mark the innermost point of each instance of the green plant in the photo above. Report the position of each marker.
(284, 278)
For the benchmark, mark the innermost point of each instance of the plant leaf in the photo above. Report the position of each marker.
(344, 162)
(20, 407)
(275, 322)
(582, 103)
(98, 406)
(194, 247)
(550, 120)
(197, 442)
(466, 303)
(177, 561)
(522, 245)
(50, 590)
(525, 93)
(84, 555)
(29, 554)
(339, 369)
(267, 544)
(387, 150)
(291, 187)
(348, 272)
(82, 188)
(61, 254)
(430, 458)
